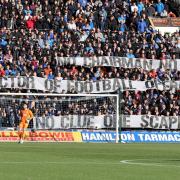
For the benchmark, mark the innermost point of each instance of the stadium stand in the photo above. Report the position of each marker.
(35, 32)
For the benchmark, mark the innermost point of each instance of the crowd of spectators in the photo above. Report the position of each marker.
(33, 51)
(33, 33)
(152, 102)
(53, 106)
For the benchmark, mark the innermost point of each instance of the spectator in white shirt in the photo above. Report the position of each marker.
(71, 24)
(134, 8)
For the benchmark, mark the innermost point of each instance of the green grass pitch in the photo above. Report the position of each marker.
(86, 161)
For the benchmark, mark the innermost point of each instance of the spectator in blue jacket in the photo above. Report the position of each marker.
(122, 27)
(83, 3)
(50, 76)
(3, 42)
(28, 10)
(140, 6)
(159, 7)
(130, 54)
(142, 25)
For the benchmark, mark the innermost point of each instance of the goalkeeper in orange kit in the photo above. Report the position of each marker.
(26, 115)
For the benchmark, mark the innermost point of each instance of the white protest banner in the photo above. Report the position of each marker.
(101, 86)
(36, 83)
(147, 64)
(107, 121)
(74, 121)
(151, 121)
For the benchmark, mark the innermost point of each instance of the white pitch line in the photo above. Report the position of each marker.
(55, 162)
(134, 162)
(130, 162)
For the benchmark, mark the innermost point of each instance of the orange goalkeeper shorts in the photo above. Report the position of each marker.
(23, 125)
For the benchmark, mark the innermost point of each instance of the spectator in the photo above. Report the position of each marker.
(134, 7)
(141, 26)
(159, 7)
(171, 14)
(140, 6)
(150, 10)
(47, 70)
(130, 54)
(83, 3)
(164, 13)
(2, 72)
(50, 75)
(30, 23)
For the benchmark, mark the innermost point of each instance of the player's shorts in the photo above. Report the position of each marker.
(23, 125)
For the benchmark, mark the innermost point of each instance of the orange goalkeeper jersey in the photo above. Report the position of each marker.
(26, 115)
